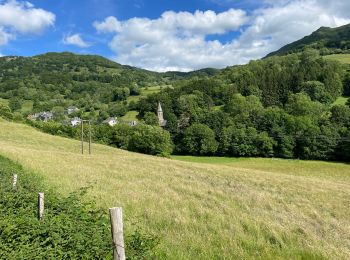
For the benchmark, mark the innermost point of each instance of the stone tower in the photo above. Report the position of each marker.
(162, 122)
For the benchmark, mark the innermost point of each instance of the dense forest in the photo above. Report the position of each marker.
(280, 106)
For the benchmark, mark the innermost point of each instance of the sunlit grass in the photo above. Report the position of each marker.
(146, 91)
(343, 58)
(27, 106)
(205, 208)
(130, 116)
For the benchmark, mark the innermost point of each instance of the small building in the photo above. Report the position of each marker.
(132, 123)
(75, 121)
(162, 122)
(71, 110)
(111, 121)
(42, 116)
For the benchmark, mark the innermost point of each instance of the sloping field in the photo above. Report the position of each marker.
(247, 209)
(343, 58)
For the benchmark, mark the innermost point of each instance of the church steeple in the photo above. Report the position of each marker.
(162, 122)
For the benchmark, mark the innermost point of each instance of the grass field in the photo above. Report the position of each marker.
(27, 106)
(343, 58)
(203, 208)
(144, 92)
(130, 116)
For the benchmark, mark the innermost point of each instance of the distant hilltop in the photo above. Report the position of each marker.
(326, 40)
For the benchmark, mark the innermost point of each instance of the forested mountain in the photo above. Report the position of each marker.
(98, 86)
(326, 40)
(280, 106)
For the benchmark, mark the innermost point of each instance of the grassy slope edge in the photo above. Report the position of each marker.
(251, 209)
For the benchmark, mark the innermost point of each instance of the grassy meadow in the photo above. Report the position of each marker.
(144, 92)
(130, 116)
(343, 58)
(203, 208)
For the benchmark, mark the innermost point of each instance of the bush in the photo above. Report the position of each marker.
(5, 112)
(71, 228)
(150, 140)
(199, 139)
(151, 119)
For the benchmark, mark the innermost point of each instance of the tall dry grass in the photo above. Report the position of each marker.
(255, 208)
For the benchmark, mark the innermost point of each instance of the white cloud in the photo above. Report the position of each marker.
(178, 41)
(76, 40)
(175, 41)
(110, 24)
(287, 21)
(18, 17)
(5, 37)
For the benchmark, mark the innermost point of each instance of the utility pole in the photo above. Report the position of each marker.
(82, 136)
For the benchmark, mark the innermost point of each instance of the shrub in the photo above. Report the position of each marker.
(150, 140)
(199, 139)
(71, 228)
(5, 112)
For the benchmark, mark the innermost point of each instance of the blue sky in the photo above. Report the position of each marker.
(163, 34)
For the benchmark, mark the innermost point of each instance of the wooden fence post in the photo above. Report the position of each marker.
(14, 183)
(40, 205)
(116, 217)
(82, 136)
(89, 137)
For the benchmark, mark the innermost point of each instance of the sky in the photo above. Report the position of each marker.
(164, 35)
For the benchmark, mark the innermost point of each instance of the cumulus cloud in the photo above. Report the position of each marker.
(179, 41)
(109, 25)
(76, 40)
(4, 36)
(18, 17)
(175, 41)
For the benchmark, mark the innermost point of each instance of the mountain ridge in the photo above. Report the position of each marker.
(325, 39)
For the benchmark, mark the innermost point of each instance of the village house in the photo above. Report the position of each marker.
(75, 121)
(111, 121)
(42, 116)
(132, 123)
(71, 110)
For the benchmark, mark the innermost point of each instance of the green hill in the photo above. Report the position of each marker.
(233, 209)
(327, 40)
(100, 87)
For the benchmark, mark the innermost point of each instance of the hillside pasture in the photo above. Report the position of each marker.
(146, 91)
(205, 208)
(130, 116)
(343, 58)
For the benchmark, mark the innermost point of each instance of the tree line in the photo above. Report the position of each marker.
(276, 107)
(280, 106)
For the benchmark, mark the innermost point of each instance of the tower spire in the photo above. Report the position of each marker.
(162, 122)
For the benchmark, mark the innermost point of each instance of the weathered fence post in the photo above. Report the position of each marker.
(40, 205)
(116, 216)
(82, 136)
(89, 137)
(14, 183)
